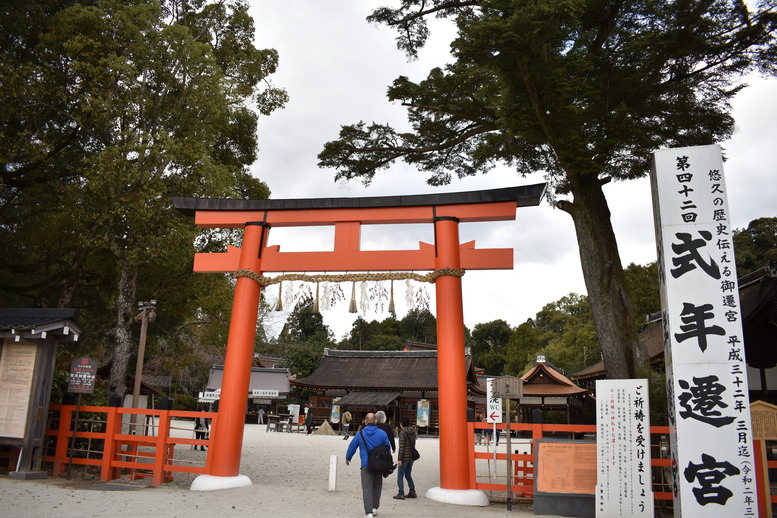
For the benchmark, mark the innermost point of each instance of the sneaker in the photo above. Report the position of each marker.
(411, 495)
(370, 515)
(374, 512)
(399, 497)
(345, 438)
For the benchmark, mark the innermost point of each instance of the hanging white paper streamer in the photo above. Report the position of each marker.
(288, 295)
(364, 300)
(325, 302)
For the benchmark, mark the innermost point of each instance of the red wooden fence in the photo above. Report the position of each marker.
(143, 455)
(154, 455)
(522, 485)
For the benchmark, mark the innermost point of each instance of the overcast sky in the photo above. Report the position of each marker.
(336, 69)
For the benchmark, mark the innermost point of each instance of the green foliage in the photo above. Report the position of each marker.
(109, 109)
(304, 324)
(183, 402)
(489, 345)
(303, 339)
(642, 282)
(522, 348)
(384, 343)
(303, 358)
(756, 246)
(419, 325)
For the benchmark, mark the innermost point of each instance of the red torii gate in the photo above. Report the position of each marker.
(444, 210)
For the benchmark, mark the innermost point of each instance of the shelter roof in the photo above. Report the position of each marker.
(524, 196)
(379, 371)
(39, 323)
(366, 398)
(545, 380)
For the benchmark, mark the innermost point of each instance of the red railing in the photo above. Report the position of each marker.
(522, 483)
(141, 454)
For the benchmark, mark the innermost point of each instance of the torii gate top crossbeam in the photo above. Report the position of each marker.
(347, 215)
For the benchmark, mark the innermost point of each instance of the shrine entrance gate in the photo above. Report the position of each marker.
(447, 255)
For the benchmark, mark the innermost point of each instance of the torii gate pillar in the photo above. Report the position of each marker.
(451, 363)
(228, 438)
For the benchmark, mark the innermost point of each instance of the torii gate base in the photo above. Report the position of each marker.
(210, 482)
(475, 497)
(347, 215)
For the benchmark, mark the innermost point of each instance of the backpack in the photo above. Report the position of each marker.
(379, 459)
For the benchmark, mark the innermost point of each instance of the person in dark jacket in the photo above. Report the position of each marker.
(201, 428)
(380, 416)
(309, 420)
(405, 461)
(372, 483)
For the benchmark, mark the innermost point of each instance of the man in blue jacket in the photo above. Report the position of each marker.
(372, 483)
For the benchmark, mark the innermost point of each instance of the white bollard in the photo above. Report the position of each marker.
(332, 473)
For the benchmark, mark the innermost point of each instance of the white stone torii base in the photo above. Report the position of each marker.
(210, 482)
(474, 497)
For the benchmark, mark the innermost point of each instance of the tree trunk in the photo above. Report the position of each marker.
(122, 331)
(613, 311)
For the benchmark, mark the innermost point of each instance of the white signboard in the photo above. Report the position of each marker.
(709, 407)
(623, 485)
(264, 393)
(493, 405)
(209, 396)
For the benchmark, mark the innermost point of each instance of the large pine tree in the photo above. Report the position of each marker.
(584, 90)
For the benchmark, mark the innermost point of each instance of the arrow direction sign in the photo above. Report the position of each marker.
(494, 405)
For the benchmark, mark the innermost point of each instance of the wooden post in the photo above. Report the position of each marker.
(509, 463)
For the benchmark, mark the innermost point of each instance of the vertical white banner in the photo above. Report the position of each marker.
(624, 478)
(493, 404)
(709, 407)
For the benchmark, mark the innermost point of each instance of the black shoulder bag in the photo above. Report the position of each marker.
(379, 459)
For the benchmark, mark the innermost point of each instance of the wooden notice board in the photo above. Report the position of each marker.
(567, 467)
(764, 419)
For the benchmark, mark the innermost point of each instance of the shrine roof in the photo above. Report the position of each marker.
(36, 323)
(551, 389)
(524, 196)
(380, 371)
(544, 380)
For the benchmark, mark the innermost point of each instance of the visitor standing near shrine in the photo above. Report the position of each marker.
(380, 417)
(406, 459)
(309, 420)
(260, 416)
(201, 427)
(345, 421)
(372, 483)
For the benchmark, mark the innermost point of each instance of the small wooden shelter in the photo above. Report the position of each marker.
(28, 346)
(546, 388)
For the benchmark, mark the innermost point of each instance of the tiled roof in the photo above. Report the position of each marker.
(379, 370)
(37, 323)
(543, 380)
